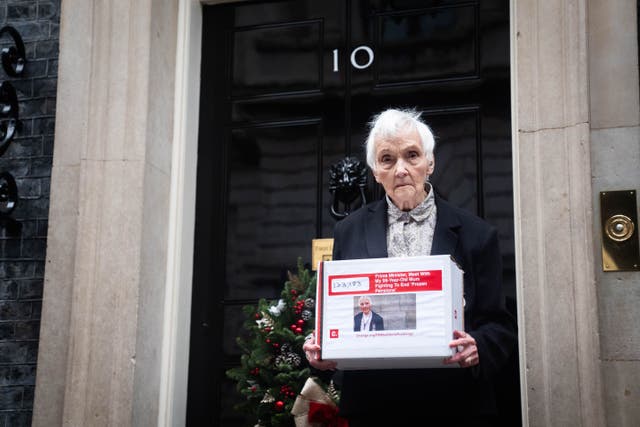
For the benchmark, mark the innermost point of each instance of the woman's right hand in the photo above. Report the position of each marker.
(312, 352)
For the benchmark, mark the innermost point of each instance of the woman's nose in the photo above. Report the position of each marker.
(401, 168)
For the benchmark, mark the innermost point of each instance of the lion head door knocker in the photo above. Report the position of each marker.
(347, 181)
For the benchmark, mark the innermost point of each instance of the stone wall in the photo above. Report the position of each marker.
(28, 159)
(615, 159)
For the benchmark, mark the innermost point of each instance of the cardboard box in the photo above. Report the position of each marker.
(420, 301)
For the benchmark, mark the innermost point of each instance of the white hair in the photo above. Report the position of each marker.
(394, 122)
(364, 298)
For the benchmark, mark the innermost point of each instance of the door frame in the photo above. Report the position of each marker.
(535, 87)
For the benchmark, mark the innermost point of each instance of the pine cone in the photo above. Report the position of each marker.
(293, 359)
(306, 315)
(285, 348)
(309, 303)
(333, 392)
(267, 398)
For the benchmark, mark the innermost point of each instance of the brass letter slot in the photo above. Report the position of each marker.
(619, 222)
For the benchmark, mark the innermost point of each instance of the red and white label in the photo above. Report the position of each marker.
(384, 283)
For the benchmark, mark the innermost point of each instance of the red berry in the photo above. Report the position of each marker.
(300, 322)
(279, 405)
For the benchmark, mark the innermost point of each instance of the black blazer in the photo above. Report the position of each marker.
(473, 243)
(377, 323)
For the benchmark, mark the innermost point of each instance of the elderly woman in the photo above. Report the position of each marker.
(410, 221)
(367, 319)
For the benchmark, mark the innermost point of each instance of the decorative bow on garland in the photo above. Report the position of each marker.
(314, 408)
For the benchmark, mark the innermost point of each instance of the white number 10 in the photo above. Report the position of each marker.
(354, 63)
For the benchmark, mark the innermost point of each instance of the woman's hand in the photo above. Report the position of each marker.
(467, 354)
(312, 352)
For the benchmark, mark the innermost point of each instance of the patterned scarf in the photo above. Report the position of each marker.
(411, 233)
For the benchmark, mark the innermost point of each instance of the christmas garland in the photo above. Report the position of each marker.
(273, 369)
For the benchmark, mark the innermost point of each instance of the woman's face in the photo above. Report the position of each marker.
(402, 169)
(365, 306)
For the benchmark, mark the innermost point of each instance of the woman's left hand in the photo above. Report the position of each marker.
(467, 354)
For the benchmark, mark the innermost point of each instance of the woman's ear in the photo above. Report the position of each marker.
(375, 176)
(431, 164)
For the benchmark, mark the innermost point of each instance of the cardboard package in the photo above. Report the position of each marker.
(417, 301)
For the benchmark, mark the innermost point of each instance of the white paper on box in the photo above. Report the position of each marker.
(419, 298)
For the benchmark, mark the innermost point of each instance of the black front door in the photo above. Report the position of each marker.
(287, 89)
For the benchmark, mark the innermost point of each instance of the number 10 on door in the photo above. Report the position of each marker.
(354, 62)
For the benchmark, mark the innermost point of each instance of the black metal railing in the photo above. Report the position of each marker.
(13, 62)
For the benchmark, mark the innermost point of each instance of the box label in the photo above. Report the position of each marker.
(388, 282)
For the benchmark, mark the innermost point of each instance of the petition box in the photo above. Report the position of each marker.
(384, 313)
